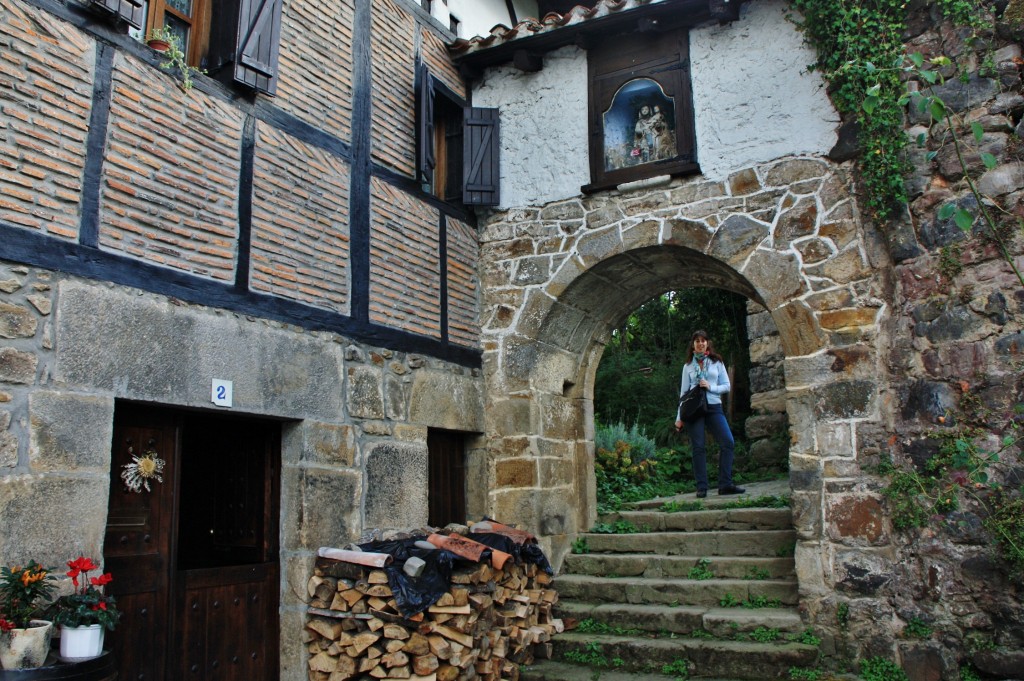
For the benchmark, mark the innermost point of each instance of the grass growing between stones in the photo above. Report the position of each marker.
(592, 626)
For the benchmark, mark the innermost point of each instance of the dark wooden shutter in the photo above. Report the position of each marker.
(131, 11)
(259, 32)
(480, 169)
(426, 160)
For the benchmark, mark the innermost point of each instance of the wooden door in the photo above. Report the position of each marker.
(137, 546)
(195, 559)
(447, 477)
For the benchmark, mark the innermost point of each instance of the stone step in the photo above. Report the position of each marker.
(708, 593)
(727, 520)
(654, 565)
(661, 619)
(765, 543)
(553, 670)
(706, 658)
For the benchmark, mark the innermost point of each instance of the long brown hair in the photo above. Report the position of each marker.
(701, 333)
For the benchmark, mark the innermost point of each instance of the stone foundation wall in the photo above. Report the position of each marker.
(354, 445)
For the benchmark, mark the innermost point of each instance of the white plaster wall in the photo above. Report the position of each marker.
(754, 100)
(478, 17)
(543, 127)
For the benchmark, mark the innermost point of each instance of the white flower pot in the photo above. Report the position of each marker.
(26, 648)
(81, 643)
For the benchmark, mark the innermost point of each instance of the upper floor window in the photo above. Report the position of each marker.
(456, 146)
(229, 39)
(641, 110)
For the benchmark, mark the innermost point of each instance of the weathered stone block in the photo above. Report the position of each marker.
(736, 238)
(597, 246)
(16, 321)
(863, 572)
(807, 514)
(28, 507)
(799, 220)
(744, 182)
(796, 170)
(365, 392)
(327, 444)
(857, 520)
(776, 276)
(396, 485)
(446, 400)
(845, 399)
(135, 347)
(767, 425)
(70, 432)
(327, 507)
(17, 366)
(516, 473)
(798, 329)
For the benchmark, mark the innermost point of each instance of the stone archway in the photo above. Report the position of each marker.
(558, 279)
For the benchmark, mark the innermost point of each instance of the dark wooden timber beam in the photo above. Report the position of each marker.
(529, 62)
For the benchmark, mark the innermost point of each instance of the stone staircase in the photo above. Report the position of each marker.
(701, 594)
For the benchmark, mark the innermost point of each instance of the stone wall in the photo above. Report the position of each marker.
(354, 449)
(955, 363)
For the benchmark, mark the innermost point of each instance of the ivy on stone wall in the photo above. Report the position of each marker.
(860, 49)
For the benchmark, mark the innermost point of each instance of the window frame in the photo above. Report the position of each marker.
(661, 57)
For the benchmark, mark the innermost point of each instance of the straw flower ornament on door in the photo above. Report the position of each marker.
(143, 468)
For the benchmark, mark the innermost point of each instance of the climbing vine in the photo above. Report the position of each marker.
(860, 52)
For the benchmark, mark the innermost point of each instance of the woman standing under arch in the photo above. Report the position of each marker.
(704, 367)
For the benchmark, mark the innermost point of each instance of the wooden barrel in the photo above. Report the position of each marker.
(101, 668)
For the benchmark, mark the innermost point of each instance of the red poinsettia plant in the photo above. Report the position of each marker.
(24, 591)
(87, 604)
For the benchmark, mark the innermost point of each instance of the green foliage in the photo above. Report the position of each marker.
(700, 571)
(764, 634)
(702, 634)
(805, 637)
(803, 674)
(592, 626)
(175, 57)
(756, 602)
(968, 674)
(853, 40)
(757, 573)
(620, 526)
(905, 500)
(764, 501)
(1006, 523)
(843, 614)
(678, 669)
(579, 545)
(916, 628)
(24, 592)
(881, 669)
(728, 601)
(592, 656)
(681, 506)
(786, 550)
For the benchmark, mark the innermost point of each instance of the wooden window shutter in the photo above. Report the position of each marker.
(480, 165)
(426, 160)
(259, 32)
(131, 11)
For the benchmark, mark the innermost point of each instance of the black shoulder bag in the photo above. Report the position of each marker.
(693, 404)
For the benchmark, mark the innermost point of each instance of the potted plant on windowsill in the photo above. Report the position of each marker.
(160, 38)
(85, 614)
(24, 640)
(174, 56)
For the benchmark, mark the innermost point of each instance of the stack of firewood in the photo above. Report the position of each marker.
(489, 622)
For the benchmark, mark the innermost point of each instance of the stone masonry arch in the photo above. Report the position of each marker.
(557, 279)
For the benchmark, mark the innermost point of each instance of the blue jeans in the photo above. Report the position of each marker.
(714, 421)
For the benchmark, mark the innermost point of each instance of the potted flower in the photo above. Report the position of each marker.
(86, 613)
(160, 38)
(24, 640)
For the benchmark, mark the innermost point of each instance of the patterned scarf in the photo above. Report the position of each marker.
(700, 361)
